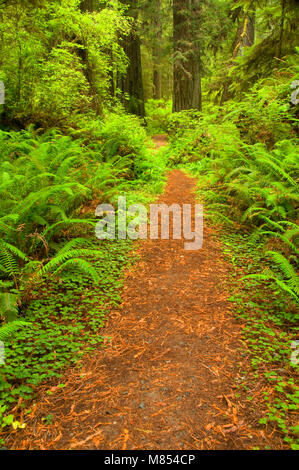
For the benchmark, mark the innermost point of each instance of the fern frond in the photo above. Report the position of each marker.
(272, 278)
(8, 306)
(283, 238)
(220, 216)
(67, 222)
(287, 269)
(9, 328)
(75, 243)
(81, 265)
(61, 258)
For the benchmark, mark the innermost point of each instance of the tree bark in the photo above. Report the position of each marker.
(244, 37)
(131, 83)
(87, 6)
(157, 53)
(282, 21)
(157, 81)
(187, 57)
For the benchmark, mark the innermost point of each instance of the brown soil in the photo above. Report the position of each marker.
(160, 140)
(166, 380)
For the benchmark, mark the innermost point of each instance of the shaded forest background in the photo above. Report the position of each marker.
(62, 58)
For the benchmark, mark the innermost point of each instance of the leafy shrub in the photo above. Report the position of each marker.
(158, 114)
(51, 267)
(246, 155)
(45, 180)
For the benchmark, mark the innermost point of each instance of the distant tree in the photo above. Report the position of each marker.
(187, 69)
(244, 37)
(130, 83)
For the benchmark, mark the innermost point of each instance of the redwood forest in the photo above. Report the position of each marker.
(149, 226)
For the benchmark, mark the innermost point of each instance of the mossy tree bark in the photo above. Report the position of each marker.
(187, 55)
(157, 52)
(244, 37)
(131, 84)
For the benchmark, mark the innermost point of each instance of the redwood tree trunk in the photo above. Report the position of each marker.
(157, 81)
(157, 53)
(131, 83)
(85, 7)
(244, 38)
(187, 57)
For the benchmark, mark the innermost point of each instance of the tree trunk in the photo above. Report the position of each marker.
(245, 34)
(282, 21)
(131, 83)
(244, 38)
(187, 59)
(85, 7)
(157, 81)
(157, 53)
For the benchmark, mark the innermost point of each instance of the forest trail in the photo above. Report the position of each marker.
(166, 378)
(160, 140)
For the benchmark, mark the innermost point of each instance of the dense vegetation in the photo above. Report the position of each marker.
(86, 85)
(245, 155)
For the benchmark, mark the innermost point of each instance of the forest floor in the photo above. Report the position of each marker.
(167, 376)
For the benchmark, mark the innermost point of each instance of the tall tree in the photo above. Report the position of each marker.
(88, 6)
(157, 51)
(244, 37)
(187, 55)
(131, 83)
(156, 37)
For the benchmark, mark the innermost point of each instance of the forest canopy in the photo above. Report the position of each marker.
(62, 58)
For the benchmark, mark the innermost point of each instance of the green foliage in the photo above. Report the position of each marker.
(253, 53)
(7, 330)
(247, 159)
(65, 316)
(158, 113)
(291, 283)
(274, 47)
(56, 281)
(269, 330)
(56, 60)
(8, 306)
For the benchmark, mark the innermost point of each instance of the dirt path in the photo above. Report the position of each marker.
(166, 379)
(160, 140)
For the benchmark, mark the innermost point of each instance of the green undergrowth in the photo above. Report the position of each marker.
(245, 156)
(270, 333)
(57, 280)
(66, 316)
(158, 114)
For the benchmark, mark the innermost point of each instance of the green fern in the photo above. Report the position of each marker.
(81, 265)
(282, 237)
(287, 269)
(271, 277)
(9, 328)
(56, 264)
(289, 284)
(8, 306)
(8, 263)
